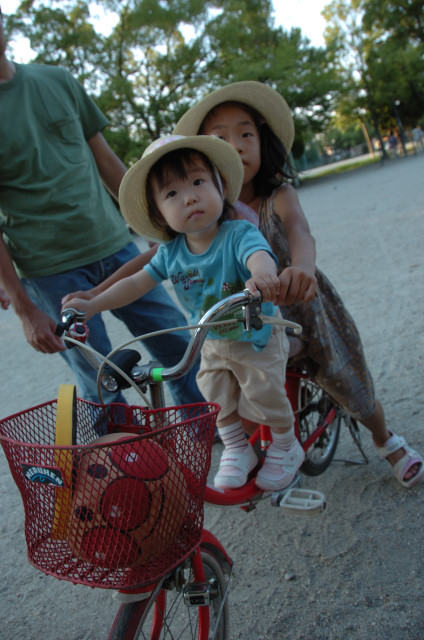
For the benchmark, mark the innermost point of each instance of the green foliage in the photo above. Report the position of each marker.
(403, 21)
(161, 56)
(381, 59)
(343, 138)
(398, 74)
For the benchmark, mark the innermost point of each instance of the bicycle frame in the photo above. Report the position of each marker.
(152, 376)
(204, 588)
(137, 603)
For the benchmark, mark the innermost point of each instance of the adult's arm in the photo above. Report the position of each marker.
(38, 327)
(111, 168)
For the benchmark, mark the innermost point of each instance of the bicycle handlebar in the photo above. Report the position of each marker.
(144, 375)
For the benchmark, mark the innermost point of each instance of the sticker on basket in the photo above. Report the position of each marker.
(43, 475)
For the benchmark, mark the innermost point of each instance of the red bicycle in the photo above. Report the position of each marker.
(114, 495)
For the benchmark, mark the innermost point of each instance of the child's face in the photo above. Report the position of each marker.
(191, 205)
(237, 126)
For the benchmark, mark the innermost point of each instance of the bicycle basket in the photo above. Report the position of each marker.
(124, 504)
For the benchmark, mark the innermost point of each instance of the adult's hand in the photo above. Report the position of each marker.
(4, 299)
(39, 330)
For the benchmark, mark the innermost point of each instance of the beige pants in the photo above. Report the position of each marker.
(250, 382)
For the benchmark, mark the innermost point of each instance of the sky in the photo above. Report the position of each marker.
(304, 14)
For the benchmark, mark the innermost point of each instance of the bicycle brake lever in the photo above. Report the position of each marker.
(252, 312)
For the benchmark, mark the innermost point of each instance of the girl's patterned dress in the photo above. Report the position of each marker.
(333, 353)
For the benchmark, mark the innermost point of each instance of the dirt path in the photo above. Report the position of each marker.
(356, 572)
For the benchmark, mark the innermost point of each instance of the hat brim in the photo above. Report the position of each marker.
(265, 100)
(132, 192)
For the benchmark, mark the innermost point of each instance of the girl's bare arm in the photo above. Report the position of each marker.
(297, 282)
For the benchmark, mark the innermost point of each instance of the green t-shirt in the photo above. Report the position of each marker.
(55, 213)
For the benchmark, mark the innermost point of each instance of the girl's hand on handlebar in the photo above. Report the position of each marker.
(297, 284)
(267, 284)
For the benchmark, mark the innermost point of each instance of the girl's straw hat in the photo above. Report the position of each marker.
(132, 192)
(266, 101)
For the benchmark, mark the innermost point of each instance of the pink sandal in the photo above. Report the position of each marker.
(402, 466)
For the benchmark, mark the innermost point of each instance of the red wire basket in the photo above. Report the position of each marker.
(123, 505)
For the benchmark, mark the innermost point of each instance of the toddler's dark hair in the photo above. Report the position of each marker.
(174, 165)
(274, 157)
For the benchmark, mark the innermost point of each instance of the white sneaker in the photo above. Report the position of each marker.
(280, 467)
(235, 466)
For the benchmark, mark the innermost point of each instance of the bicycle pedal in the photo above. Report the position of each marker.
(307, 502)
(277, 496)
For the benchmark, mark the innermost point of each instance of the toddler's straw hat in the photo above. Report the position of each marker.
(266, 101)
(132, 192)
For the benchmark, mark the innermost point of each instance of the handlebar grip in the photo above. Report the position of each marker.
(60, 329)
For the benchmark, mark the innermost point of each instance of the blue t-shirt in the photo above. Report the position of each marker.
(202, 280)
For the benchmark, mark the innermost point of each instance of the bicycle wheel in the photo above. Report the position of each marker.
(173, 612)
(317, 411)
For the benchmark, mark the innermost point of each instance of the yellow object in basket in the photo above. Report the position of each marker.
(66, 422)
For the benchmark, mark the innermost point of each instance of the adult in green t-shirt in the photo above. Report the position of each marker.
(61, 230)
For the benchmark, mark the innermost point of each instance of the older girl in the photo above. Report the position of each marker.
(257, 122)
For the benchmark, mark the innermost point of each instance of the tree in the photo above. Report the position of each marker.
(160, 57)
(381, 59)
(402, 20)
(345, 35)
(397, 59)
(249, 47)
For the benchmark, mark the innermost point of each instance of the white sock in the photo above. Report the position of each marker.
(283, 440)
(233, 436)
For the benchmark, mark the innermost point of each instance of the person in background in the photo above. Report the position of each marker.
(60, 228)
(418, 137)
(393, 143)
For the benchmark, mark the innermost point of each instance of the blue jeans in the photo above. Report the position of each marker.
(153, 312)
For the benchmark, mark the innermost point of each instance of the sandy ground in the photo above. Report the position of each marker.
(354, 572)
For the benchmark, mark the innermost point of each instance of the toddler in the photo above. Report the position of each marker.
(179, 195)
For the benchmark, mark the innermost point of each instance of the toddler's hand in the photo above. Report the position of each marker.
(267, 284)
(83, 295)
(79, 304)
(297, 284)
